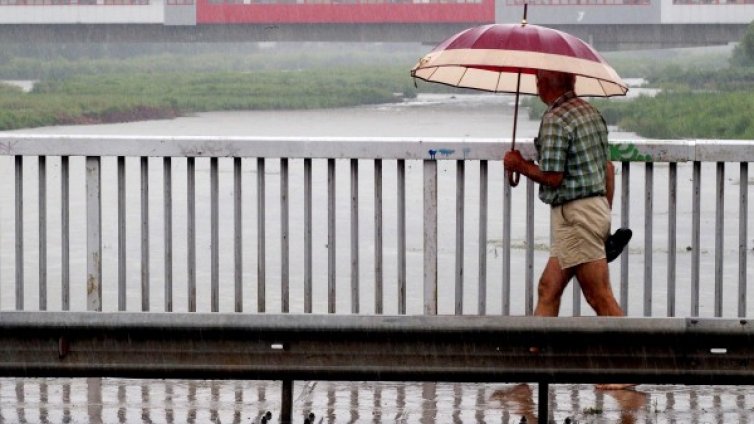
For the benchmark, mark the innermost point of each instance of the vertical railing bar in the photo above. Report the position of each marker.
(167, 182)
(286, 402)
(430, 237)
(648, 211)
(506, 288)
(261, 254)
(65, 234)
(284, 238)
(237, 236)
(214, 183)
(331, 236)
(695, 236)
(354, 236)
(19, 170)
(529, 261)
(378, 261)
(625, 209)
(42, 182)
(483, 180)
(576, 301)
(719, 237)
(93, 234)
(672, 207)
(191, 231)
(401, 237)
(121, 171)
(460, 197)
(144, 233)
(743, 213)
(307, 235)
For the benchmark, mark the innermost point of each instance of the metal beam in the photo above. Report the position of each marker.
(413, 348)
(386, 148)
(608, 36)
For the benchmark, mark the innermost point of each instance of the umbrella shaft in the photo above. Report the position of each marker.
(515, 112)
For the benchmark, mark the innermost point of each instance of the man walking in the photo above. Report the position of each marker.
(576, 178)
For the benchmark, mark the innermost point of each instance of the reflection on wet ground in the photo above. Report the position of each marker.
(106, 400)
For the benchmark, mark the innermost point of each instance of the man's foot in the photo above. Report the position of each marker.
(616, 242)
(614, 386)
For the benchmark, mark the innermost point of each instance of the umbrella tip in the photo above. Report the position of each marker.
(523, 22)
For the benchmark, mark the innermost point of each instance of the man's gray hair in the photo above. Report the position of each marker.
(558, 80)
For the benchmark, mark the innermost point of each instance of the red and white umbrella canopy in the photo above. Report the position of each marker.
(490, 57)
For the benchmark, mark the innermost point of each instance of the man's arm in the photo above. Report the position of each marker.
(515, 162)
(609, 183)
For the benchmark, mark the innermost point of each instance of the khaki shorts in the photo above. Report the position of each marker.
(578, 231)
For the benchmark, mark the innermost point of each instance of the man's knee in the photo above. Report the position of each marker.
(549, 287)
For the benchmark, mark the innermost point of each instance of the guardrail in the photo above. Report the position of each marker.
(361, 348)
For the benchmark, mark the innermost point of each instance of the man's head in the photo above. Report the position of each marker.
(553, 84)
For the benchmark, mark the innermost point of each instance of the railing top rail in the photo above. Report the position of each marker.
(313, 323)
(411, 148)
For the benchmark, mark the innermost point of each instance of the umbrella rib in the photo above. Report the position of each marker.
(429, 78)
(465, 69)
(602, 86)
(497, 85)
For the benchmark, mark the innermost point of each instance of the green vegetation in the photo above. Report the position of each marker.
(116, 83)
(706, 94)
(121, 97)
(704, 91)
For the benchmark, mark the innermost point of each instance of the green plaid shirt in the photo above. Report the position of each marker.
(573, 140)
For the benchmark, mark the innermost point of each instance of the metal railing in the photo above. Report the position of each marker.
(401, 248)
(268, 203)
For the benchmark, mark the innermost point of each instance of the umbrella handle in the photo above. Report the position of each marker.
(513, 178)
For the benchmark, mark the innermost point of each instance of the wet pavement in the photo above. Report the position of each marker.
(107, 400)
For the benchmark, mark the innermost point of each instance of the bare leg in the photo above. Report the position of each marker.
(594, 278)
(551, 285)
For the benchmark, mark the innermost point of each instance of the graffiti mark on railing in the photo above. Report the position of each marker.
(628, 152)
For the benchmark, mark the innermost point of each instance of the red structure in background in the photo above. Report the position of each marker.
(328, 11)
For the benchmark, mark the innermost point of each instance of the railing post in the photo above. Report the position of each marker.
(401, 236)
(529, 261)
(543, 399)
(719, 237)
(695, 236)
(167, 172)
(505, 295)
(331, 250)
(743, 208)
(65, 234)
(625, 210)
(93, 234)
(191, 232)
(648, 231)
(482, 297)
(237, 236)
(42, 183)
(145, 303)
(460, 207)
(19, 215)
(430, 237)
(286, 402)
(121, 170)
(214, 276)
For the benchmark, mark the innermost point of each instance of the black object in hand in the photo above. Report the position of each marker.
(616, 242)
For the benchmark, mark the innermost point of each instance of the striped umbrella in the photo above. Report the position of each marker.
(506, 57)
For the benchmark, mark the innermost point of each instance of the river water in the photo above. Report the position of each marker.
(120, 400)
